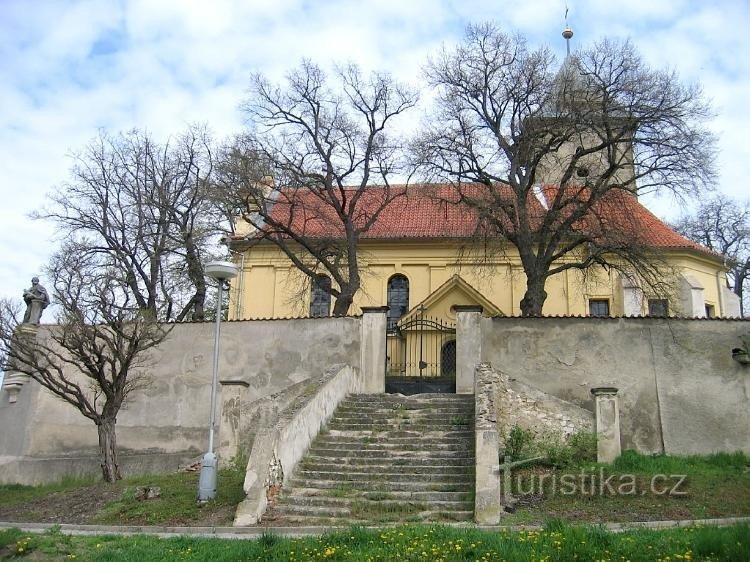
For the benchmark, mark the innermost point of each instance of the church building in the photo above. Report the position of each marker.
(421, 254)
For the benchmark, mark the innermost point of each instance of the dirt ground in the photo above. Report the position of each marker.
(77, 506)
(83, 505)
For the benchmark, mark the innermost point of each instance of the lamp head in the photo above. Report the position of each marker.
(221, 270)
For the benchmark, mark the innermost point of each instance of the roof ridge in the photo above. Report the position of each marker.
(425, 211)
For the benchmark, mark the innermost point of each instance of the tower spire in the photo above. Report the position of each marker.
(567, 32)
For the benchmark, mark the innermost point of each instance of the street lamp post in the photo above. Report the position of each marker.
(222, 271)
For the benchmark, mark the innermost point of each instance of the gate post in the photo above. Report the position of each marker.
(468, 346)
(608, 447)
(373, 351)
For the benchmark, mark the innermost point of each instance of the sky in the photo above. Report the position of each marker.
(71, 67)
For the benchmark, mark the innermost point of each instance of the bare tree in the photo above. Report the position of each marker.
(302, 177)
(143, 208)
(97, 355)
(551, 152)
(723, 225)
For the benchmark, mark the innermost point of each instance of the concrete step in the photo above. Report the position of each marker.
(363, 500)
(426, 417)
(403, 426)
(400, 398)
(382, 450)
(377, 471)
(274, 519)
(384, 478)
(446, 424)
(415, 434)
(314, 510)
(370, 443)
(289, 520)
(424, 405)
(421, 485)
(342, 507)
(303, 494)
(405, 458)
(348, 408)
(327, 516)
(381, 456)
(427, 405)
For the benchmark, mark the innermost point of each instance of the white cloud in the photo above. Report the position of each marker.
(71, 66)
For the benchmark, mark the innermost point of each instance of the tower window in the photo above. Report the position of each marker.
(398, 299)
(320, 296)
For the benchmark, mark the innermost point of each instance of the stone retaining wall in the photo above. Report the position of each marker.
(519, 404)
(680, 391)
(259, 359)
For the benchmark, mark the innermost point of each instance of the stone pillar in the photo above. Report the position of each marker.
(693, 301)
(232, 395)
(373, 350)
(632, 297)
(468, 346)
(607, 424)
(488, 501)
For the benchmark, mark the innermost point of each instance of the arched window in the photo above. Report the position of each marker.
(398, 299)
(320, 296)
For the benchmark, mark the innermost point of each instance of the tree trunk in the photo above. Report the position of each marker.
(108, 451)
(343, 303)
(740, 275)
(533, 300)
(197, 277)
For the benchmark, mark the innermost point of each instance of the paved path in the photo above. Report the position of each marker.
(255, 532)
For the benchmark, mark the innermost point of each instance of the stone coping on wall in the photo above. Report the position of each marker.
(280, 319)
(240, 320)
(605, 318)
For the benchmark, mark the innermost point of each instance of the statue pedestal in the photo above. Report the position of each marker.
(15, 380)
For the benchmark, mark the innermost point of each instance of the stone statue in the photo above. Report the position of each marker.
(37, 299)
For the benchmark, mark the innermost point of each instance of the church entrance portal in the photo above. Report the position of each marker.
(421, 356)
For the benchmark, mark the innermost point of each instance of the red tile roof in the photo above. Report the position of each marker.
(429, 211)
(620, 211)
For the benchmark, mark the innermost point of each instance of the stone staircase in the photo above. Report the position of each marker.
(385, 458)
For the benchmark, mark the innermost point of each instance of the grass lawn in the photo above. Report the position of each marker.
(436, 544)
(714, 486)
(92, 502)
(641, 488)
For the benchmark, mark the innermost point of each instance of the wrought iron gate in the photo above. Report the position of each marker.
(420, 356)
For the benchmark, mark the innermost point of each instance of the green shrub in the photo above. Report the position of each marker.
(557, 452)
(517, 442)
(524, 443)
(583, 444)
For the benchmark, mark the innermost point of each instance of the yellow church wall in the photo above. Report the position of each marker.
(260, 303)
(706, 273)
(269, 288)
(595, 283)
